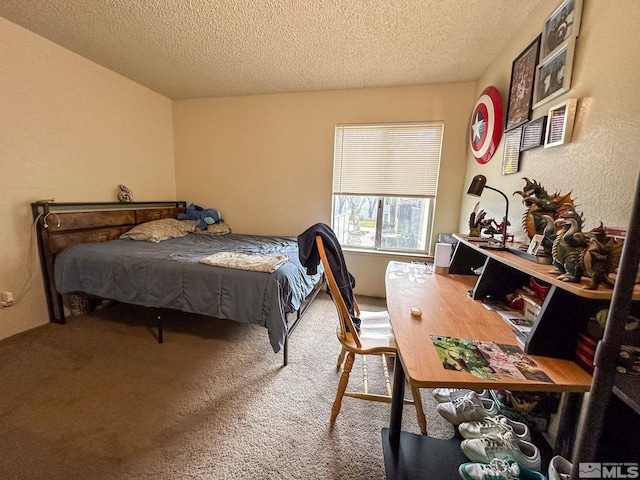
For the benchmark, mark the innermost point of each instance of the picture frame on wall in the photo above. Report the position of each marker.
(511, 157)
(523, 73)
(561, 25)
(560, 121)
(553, 74)
(533, 133)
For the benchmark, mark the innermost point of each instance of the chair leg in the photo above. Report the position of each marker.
(385, 372)
(342, 386)
(343, 352)
(417, 401)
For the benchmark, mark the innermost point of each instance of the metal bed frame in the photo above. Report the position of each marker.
(60, 225)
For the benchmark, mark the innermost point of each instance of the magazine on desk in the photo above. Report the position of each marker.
(487, 360)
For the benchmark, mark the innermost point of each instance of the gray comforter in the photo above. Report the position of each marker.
(168, 275)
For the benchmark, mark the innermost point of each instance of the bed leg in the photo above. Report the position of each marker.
(160, 339)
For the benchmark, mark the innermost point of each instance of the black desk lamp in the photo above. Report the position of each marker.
(478, 184)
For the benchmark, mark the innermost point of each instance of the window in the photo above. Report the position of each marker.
(385, 178)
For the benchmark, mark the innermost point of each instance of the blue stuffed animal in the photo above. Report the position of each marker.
(203, 216)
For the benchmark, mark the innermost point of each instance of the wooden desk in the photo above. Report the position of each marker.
(448, 310)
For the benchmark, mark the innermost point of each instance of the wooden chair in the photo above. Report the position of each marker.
(374, 338)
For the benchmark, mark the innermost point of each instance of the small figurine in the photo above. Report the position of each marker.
(476, 220)
(568, 245)
(540, 203)
(601, 258)
(125, 195)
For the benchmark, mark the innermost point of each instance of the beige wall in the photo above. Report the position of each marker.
(266, 161)
(74, 130)
(601, 164)
(71, 130)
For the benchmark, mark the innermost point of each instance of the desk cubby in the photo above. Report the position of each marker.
(566, 308)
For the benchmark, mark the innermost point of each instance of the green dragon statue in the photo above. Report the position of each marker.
(541, 204)
(568, 245)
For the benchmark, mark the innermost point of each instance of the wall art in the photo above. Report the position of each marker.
(511, 158)
(523, 73)
(562, 24)
(533, 133)
(560, 123)
(553, 76)
(485, 129)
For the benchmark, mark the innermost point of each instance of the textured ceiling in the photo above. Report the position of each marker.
(205, 48)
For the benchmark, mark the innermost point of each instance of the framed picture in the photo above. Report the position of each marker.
(562, 24)
(560, 123)
(553, 77)
(511, 159)
(523, 73)
(533, 133)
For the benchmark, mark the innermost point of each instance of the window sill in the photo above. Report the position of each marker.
(422, 257)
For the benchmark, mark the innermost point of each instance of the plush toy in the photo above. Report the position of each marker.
(203, 216)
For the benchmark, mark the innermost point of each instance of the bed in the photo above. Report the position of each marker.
(82, 252)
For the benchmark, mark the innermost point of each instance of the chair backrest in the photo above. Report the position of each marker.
(347, 328)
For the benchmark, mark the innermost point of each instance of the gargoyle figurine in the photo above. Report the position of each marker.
(568, 245)
(601, 258)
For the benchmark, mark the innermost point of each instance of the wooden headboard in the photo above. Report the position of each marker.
(60, 225)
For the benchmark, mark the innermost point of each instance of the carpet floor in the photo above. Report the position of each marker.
(98, 398)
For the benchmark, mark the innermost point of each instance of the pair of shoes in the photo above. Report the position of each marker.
(497, 469)
(449, 394)
(494, 426)
(504, 446)
(468, 408)
(560, 468)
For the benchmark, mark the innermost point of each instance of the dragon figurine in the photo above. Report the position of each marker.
(477, 221)
(600, 258)
(568, 245)
(540, 204)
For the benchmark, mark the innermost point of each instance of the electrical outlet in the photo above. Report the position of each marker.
(6, 299)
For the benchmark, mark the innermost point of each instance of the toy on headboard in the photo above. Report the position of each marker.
(203, 216)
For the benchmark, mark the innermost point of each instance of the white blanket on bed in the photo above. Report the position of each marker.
(242, 261)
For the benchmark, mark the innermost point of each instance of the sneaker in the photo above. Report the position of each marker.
(449, 394)
(467, 409)
(526, 474)
(559, 468)
(494, 426)
(497, 469)
(504, 446)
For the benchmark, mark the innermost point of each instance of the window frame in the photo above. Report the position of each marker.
(433, 150)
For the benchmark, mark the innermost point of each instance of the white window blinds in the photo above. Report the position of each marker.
(387, 159)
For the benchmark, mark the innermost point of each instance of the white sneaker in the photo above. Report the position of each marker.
(497, 469)
(559, 468)
(494, 426)
(467, 409)
(449, 394)
(504, 446)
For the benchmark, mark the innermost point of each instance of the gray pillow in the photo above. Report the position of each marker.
(159, 230)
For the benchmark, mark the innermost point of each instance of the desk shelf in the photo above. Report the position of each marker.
(565, 311)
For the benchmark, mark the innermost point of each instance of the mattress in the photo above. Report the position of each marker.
(169, 275)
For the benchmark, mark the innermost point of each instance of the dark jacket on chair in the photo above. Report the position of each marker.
(310, 258)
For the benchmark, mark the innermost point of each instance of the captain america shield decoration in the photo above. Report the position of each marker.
(485, 130)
